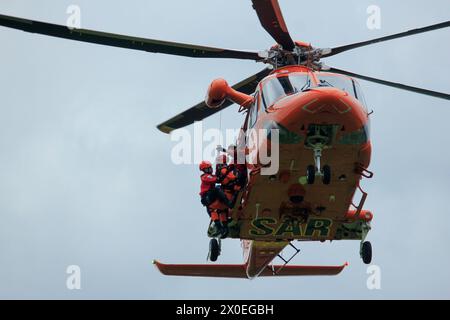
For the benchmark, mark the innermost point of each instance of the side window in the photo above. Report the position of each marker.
(258, 102)
(360, 95)
(253, 116)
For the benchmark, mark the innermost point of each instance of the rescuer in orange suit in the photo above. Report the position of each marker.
(227, 178)
(230, 187)
(211, 194)
(238, 172)
(221, 167)
(208, 190)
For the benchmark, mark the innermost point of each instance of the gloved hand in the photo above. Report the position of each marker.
(231, 176)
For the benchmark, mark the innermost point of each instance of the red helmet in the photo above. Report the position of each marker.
(205, 165)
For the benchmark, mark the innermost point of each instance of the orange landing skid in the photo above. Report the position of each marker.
(239, 270)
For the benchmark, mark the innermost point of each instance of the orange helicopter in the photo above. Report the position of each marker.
(324, 143)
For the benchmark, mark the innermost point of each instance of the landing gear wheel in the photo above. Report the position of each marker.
(366, 252)
(214, 250)
(326, 179)
(310, 174)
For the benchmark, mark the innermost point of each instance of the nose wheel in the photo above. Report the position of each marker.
(317, 170)
(311, 174)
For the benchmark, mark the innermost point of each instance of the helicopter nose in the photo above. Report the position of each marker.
(320, 106)
(331, 101)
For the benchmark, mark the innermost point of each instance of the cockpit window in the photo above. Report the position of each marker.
(342, 83)
(278, 87)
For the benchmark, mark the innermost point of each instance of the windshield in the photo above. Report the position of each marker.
(338, 82)
(276, 88)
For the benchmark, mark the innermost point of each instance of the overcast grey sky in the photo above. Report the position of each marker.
(86, 178)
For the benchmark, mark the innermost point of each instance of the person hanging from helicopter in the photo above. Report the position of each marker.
(237, 172)
(208, 190)
(221, 167)
(230, 184)
(227, 179)
(214, 198)
(238, 164)
(220, 215)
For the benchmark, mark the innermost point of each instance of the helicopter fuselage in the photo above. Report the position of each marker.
(324, 150)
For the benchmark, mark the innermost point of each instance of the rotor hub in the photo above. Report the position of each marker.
(302, 54)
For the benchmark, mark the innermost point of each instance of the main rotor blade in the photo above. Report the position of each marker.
(271, 18)
(393, 84)
(201, 111)
(121, 41)
(386, 38)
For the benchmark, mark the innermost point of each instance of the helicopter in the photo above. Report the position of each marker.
(324, 143)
